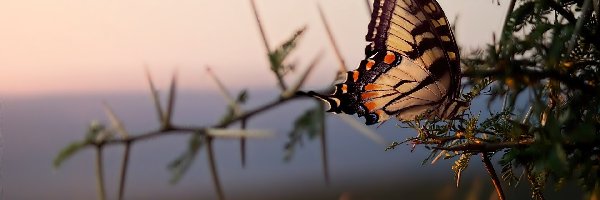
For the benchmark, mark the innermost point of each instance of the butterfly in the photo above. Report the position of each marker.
(411, 67)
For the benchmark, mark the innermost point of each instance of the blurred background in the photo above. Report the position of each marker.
(60, 59)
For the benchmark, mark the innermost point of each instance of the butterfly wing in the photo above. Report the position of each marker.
(419, 30)
(411, 67)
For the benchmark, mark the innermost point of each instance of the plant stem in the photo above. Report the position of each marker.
(243, 145)
(495, 181)
(260, 27)
(324, 146)
(511, 7)
(100, 173)
(213, 168)
(124, 165)
(155, 97)
(173, 129)
(338, 54)
(282, 85)
(585, 10)
(166, 123)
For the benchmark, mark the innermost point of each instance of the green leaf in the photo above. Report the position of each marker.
(278, 56)
(507, 173)
(229, 115)
(307, 124)
(67, 152)
(181, 164)
(230, 112)
(519, 16)
(242, 96)
(460, 165)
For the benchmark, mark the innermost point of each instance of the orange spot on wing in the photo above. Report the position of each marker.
(368, 95)
(344, 88)
(370, 64)
(355, 75)
(371, 86)
(370, 105)
(389, 58)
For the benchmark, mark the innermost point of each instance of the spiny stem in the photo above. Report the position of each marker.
(171, 103)
(503, 38)
(260, 27)
(585, 10)
(100, 173)
(280, 81)
(338, 54)
(155, 96)
(124, 165)
(213, 168)
(495, 180)
(174, 129)
(243, 145)
(324, 146)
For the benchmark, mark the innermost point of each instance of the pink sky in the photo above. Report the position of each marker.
(66, 46)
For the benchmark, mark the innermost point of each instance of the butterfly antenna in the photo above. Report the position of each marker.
(333, 105)
(312, 94)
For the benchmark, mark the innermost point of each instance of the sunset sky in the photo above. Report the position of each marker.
(86, 46)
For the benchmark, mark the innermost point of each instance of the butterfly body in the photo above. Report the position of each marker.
(411, 68)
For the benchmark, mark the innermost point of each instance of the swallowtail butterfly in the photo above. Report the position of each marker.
(411, 67)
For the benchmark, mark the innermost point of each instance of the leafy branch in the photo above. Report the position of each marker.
(547, 55)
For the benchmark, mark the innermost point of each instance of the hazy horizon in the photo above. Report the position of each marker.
(35, 129)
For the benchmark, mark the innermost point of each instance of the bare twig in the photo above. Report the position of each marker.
(236, 111)
(534, 75)
(243, 144)
(174, 129)
(324, 146)
(338, 54)
(115, 121)
(495, 180)
(486, 147)
(155, 97)
(100, 173)
(213, 168)
(166, 123)
(527, 115)
(123, 174)
(559, 8)
(511, 7)
(260, 27)
(585, 10)
(280, 81)
(225, 92)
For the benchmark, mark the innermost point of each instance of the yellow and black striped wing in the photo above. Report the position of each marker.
(411, 67)
(418, 30)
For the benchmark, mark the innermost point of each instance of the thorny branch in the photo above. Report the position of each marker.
(480, 146)
(202, 130)
(495, 180)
